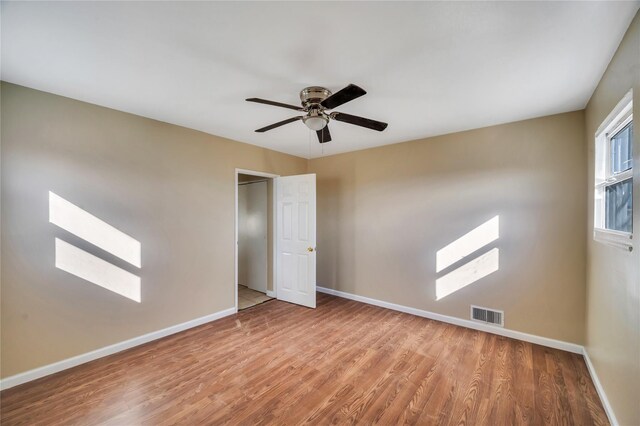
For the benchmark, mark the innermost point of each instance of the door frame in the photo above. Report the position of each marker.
(274, 206)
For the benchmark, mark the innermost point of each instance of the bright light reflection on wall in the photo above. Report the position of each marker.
(95, 270)
(468, 273)
(72, 218)
(468, 243)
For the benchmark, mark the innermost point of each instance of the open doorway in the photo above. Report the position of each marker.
(290, 239)
(255, 238)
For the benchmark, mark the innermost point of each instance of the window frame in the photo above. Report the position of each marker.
(620, 117)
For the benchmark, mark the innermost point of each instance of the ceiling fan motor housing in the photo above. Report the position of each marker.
(312, 96)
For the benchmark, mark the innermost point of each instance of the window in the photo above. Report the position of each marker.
(613, 219)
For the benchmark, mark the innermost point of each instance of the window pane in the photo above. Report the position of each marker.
(621, 155)
(619, 206)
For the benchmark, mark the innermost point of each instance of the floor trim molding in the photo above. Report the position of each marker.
(531, 338)
(603, 396)
(46, 370)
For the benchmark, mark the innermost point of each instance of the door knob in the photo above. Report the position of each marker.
(310, 249)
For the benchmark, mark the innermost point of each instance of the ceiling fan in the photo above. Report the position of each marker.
(315, 101)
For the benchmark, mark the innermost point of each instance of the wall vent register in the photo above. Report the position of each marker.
(488, 316)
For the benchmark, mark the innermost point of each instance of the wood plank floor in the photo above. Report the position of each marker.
(342, 363)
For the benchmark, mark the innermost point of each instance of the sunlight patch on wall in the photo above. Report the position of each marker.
(475, 267)
(73, 219)
(468, 243)
(95, 270)
(468, 273)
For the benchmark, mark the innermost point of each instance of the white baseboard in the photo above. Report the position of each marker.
(531, 338)
(46, 370)
(596, 382)
(271, 293)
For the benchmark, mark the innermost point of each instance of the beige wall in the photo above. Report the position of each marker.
(613, 275)
(384, 213)
(169, 187)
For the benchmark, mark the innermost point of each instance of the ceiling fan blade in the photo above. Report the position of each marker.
(278, 104)
(278, 124)
(343, 96)
(359, 121)
(323, 135)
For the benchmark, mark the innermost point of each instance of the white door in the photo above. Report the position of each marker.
(296, 239)
(252, 235)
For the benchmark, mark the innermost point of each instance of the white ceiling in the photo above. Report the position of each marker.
(429, 68)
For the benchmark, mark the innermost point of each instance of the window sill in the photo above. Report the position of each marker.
(623, 240)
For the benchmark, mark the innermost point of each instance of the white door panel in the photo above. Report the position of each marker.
(296, 239)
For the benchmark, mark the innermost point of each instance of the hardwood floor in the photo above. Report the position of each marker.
(344, 362)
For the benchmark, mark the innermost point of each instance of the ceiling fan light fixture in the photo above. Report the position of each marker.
(315, 122)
